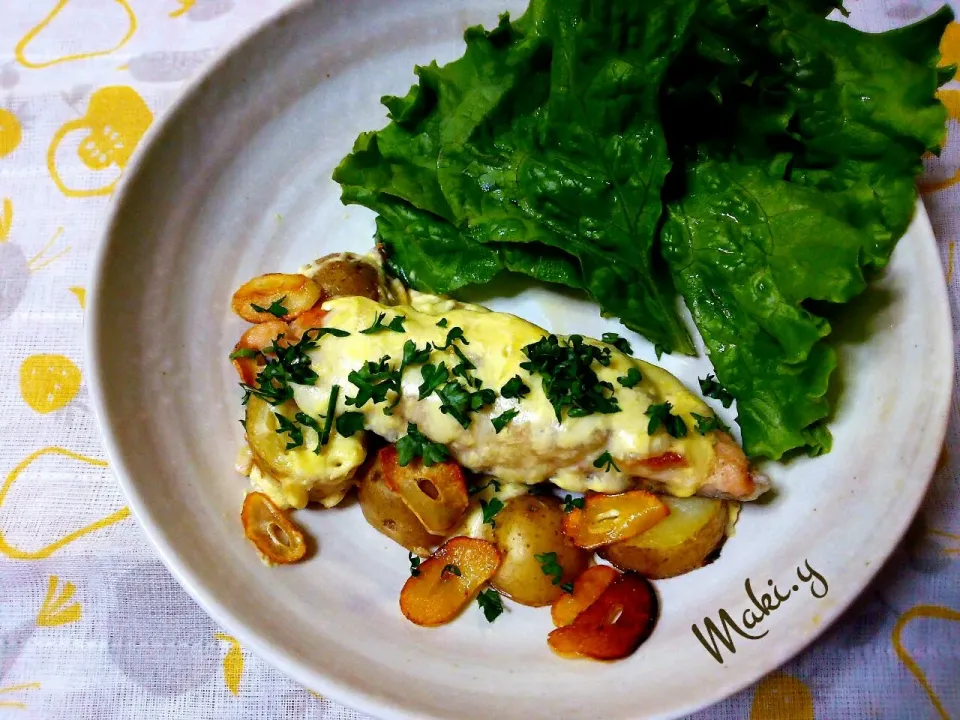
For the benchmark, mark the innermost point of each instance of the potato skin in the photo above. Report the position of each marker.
(526, 527)
(385, 511)
(679, 544)
(346, 275)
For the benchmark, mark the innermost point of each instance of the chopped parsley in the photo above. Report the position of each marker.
(567, 587)
(490, 510)
(374, 380)
(442, 323)
(458, 402)
(606, 462)
(415, 444)
(349, 423)
(569, 381)
(493, 482)
(433, 377)
(243, 353)
(707, 423)
(502, 420)
(514, 388)
(414, 564)
(570, 502)
(286, 425)
(396, 324)
(631, 379)
(452, 569)
(550, 566)
(305, 419)
(490, 602)
(711, 388)
(620, 343)
(454, 334)
(328, 419)
(276, 308)
(412, 355)
(661, 415)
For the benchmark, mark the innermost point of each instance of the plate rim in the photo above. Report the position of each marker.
(366, 700)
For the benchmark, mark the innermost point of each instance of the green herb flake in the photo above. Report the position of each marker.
(514, 388)
(661, 415)
(631, 379)
(395, 324)
(550, 566)
(309, 422)
(433, 377)
(490, 602)
(415, 561)
(606, 462)
(243, 353)
(285, 425)
(570, 502)
(451, 569)
(328, 420)
(502, 420)
(276, 308)
(567, 587)
(490, 509)
(415, 444)
(349, 423)
(442, 323)
(620, 343)
(492, 482)
(711, 388)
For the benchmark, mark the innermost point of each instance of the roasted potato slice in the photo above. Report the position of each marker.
(386, 511)
(614, 625)
(607, 519)
(678, 544)
(537, 557)
(345, 275)
(586, 589)
(437, 494)
(293, 292)
(247, 355)
(312, 318)
(278, 538)
(448, 580)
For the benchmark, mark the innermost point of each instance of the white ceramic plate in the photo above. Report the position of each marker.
(235, 181)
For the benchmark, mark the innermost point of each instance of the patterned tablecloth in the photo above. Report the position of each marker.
(91, 624)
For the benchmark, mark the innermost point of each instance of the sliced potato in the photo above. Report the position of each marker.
(678, 544)
(607, 519)
(278, 538)
(385, 510)
(294, 293)
(255, 340)
(448, 580)
(529, 526)
(346, 275)
(586, 589)
(312, 318)
(614, 625)
(437, 494)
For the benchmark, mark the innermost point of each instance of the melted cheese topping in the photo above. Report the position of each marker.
(535, 446)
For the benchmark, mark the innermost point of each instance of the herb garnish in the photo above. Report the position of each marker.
(243, 353)
(490, 602)
(661, 415)
(452, 569)
(415, 444)
(570, 502)
(276, 308)
(550, 566)
(606, 462)
(374, 380)
(631, 379)
(442, 323)
(514, 388)
(490, 510)
(620, 343)
(396, 324)
(502, 420)
(305, 419)
(288, 426)
(567, 587)
(349, 423)
(415, 561)
(568, 380)
(493, 482)
(433, 377)
(458, 402)
(711, 388)
(331, 410)
(707, 423)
